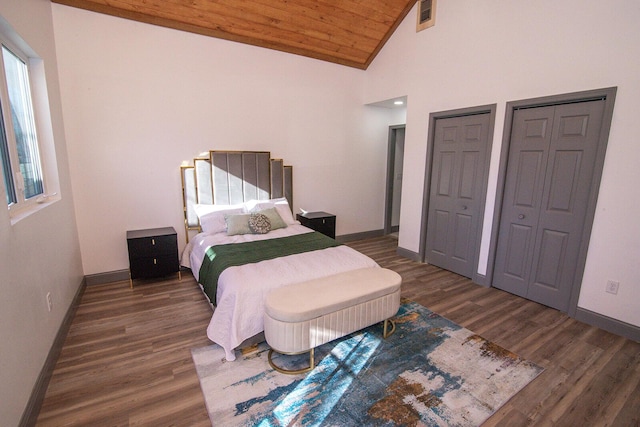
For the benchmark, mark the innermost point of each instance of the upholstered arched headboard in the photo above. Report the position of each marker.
(232, 177)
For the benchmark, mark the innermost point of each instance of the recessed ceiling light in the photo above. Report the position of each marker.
(398, 102)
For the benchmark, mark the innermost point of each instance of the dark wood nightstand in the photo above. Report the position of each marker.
(152, 253)
(322, 222)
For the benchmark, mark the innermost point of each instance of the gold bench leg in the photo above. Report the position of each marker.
(385, 332)
(312, 365)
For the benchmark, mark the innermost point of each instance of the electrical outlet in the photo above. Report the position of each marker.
(49, 301)
(612, 287)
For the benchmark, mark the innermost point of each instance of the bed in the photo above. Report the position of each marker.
(243, 240)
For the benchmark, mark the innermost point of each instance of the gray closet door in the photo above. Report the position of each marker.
(456, 195)
(551, 162)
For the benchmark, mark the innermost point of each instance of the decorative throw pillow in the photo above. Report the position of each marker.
(259, 223)
(237, 224)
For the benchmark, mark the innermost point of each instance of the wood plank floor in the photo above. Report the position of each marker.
(127, 362)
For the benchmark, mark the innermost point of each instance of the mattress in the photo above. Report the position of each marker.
(242, 290)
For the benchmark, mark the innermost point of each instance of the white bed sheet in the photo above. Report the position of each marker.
(242, 290)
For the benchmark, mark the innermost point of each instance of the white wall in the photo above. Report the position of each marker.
(139, 99)
(40, 253)
(494, 52)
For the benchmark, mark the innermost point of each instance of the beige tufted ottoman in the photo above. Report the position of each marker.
(300, 317)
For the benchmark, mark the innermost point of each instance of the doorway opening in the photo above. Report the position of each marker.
(393, 196)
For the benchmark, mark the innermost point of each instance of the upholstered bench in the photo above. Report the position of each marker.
(302, 316)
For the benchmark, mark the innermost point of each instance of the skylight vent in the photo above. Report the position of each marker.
(426, 14)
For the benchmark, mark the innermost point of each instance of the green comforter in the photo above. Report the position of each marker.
(218, 258)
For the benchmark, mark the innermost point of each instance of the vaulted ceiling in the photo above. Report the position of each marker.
(347, 32)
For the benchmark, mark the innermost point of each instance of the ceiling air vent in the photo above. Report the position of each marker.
(426, 14)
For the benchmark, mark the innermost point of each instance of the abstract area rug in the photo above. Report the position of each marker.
(430, 372)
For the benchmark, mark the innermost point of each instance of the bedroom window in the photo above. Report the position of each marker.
(19, 148)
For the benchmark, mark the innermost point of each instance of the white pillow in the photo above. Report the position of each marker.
(212, 216)
(281, 204)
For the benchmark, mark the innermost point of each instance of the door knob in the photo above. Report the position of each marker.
(464, 208)
(521, 216)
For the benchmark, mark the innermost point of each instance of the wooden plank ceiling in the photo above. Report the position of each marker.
(347, 32)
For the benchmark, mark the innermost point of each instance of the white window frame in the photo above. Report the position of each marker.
(43, 128)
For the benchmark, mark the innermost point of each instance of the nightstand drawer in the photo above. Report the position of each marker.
(148, 267)
(321, 222)
(326, 226)
(152, 246)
